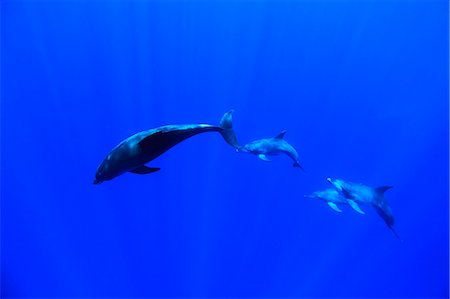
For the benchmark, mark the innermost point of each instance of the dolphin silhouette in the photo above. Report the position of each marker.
(271, 146)
(132, 153)
(332, 197)
(357, 192)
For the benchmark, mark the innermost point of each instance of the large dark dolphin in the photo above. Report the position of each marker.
(135, 151)
(365, 194)
(271, 146)
(332, 197)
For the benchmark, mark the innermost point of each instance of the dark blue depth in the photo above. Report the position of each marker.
(360, 86)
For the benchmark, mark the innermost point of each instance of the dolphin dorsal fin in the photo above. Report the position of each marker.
(382, 189)
(280, 135)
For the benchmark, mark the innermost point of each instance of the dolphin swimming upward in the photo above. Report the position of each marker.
(271, 146)
(135, 151)
(364, 194)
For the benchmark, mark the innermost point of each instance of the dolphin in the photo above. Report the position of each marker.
(271, 146)
(361, 193)
(133, 153)
(332, 197)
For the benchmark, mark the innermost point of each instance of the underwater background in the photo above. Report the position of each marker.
(361, 87)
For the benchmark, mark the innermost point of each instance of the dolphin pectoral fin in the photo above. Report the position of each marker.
(334, 207)
(264, 157)
(355, 206)
(144, 170)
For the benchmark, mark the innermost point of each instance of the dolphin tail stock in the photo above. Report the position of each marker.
(226, 124)
(382, 206)
(384, 210)
(386, 214)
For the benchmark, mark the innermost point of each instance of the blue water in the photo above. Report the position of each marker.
(360, 86)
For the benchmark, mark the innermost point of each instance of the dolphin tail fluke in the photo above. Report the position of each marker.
(297, 164)
(395, 233)
(226, 124)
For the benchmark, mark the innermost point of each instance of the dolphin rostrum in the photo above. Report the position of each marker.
(269, 147)
(364, 194)
(133, 153)
(332, 197)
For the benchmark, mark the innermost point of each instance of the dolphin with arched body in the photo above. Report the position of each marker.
(133, 153)
(270, 147)
(361, 193)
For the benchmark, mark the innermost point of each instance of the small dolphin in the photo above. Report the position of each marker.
(364, 194)
(271, 146)
(332, 197)
(135, 151)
